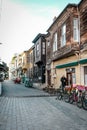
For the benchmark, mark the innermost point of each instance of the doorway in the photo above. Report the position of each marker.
(71, 76)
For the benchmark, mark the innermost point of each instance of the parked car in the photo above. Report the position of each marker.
(28, 82)
(17, 80)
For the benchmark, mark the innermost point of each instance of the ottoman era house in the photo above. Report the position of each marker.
(40, 58)
(66, 46)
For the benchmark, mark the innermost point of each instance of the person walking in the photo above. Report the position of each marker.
(63, 82)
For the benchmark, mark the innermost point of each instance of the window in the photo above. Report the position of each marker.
(37, 46)
(43, 48)
(31, 57)
(48, 43)
(37, 49)
(63, 35)
(75, 30)
(71, 76)
(24, 61)
(55, 42)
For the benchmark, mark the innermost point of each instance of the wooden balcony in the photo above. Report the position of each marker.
(65, 51)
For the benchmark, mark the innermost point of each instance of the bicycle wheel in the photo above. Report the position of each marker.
(79, 103)
(85, 104)
(71, 99)
(67, 97)
(59, 96)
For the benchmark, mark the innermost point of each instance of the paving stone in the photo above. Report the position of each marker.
(39, 113)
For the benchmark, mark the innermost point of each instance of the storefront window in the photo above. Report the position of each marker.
(71, 76)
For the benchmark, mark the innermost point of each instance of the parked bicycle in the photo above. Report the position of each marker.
(62, 95)
(76, 96)
(84, 99)
(76, 93)
(79, 96)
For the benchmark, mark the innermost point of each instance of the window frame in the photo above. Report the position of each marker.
(63, 35)
(76, 29)
(55, 39)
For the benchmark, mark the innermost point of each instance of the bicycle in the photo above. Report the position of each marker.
(76, 96)
(62, 95)
(84, 99)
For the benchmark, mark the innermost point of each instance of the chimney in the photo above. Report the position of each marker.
(54, 18)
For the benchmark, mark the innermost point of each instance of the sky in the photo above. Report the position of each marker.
(22, 20)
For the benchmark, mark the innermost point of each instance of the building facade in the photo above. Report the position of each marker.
(30, 62)
(66, 46)
(40, 57)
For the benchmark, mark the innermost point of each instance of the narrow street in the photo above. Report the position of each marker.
(19, 90)
(24, 108)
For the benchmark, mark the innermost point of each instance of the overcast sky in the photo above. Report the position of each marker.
(22, 20)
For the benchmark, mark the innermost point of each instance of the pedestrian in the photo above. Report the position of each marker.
(63, 82)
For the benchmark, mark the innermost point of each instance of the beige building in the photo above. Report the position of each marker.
(25, 64)
(30, 62)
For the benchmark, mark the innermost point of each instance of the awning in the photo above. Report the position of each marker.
(83, 61)
(67, 65)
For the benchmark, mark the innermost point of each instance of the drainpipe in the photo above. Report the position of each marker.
(79, 55)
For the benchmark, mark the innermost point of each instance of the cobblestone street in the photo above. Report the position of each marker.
(21, 112)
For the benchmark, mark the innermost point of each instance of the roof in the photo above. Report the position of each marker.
(69, 5)
(81, 2)
(37, 37)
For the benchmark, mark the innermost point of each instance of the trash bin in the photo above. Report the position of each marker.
(28, 82)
